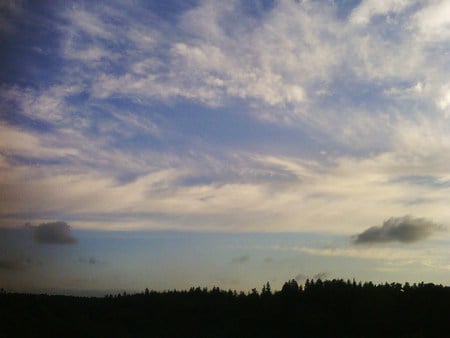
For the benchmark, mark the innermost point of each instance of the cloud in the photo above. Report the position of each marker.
(433, 20)
(435, 256)
(321, 275)
(367, 9)
(54, 233)
(91, 24)
(299, 49)
(241, 259)
(383, 254)
(300, 277)
(398, 229)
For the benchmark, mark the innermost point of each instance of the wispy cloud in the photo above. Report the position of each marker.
(116, 122)
(368, 9)
(300, 277)
(321, 275)
(392, 258)
(125, 115)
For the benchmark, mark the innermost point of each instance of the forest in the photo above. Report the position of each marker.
(329, 308)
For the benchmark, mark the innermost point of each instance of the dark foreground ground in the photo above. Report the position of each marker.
(320, 309)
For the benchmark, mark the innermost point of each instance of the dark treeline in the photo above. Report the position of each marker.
(331, 308)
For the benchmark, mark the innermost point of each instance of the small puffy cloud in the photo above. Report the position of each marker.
(401, 229)
(54, 233)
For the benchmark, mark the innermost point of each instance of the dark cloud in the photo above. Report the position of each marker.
(401, 229)
(54, 233)
(241, 259)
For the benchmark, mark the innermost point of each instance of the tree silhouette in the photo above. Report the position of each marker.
(266, 290)
(290, 287)
(322, 308)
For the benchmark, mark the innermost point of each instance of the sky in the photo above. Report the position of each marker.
(170, 144)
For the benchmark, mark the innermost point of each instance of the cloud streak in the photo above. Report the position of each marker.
(404, 229)
(433, 256)
(118, 113)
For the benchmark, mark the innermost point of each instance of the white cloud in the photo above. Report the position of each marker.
(217, 64)
(89, 54)
(315, 196)
(391, 258)
(433, 21)
(299, 64)
(89, 23)
(47, 104)
(409, 92)
(367, 9)
(297, 49)
(16, 142)
(443, 100)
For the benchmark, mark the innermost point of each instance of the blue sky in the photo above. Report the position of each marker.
(263, 140)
